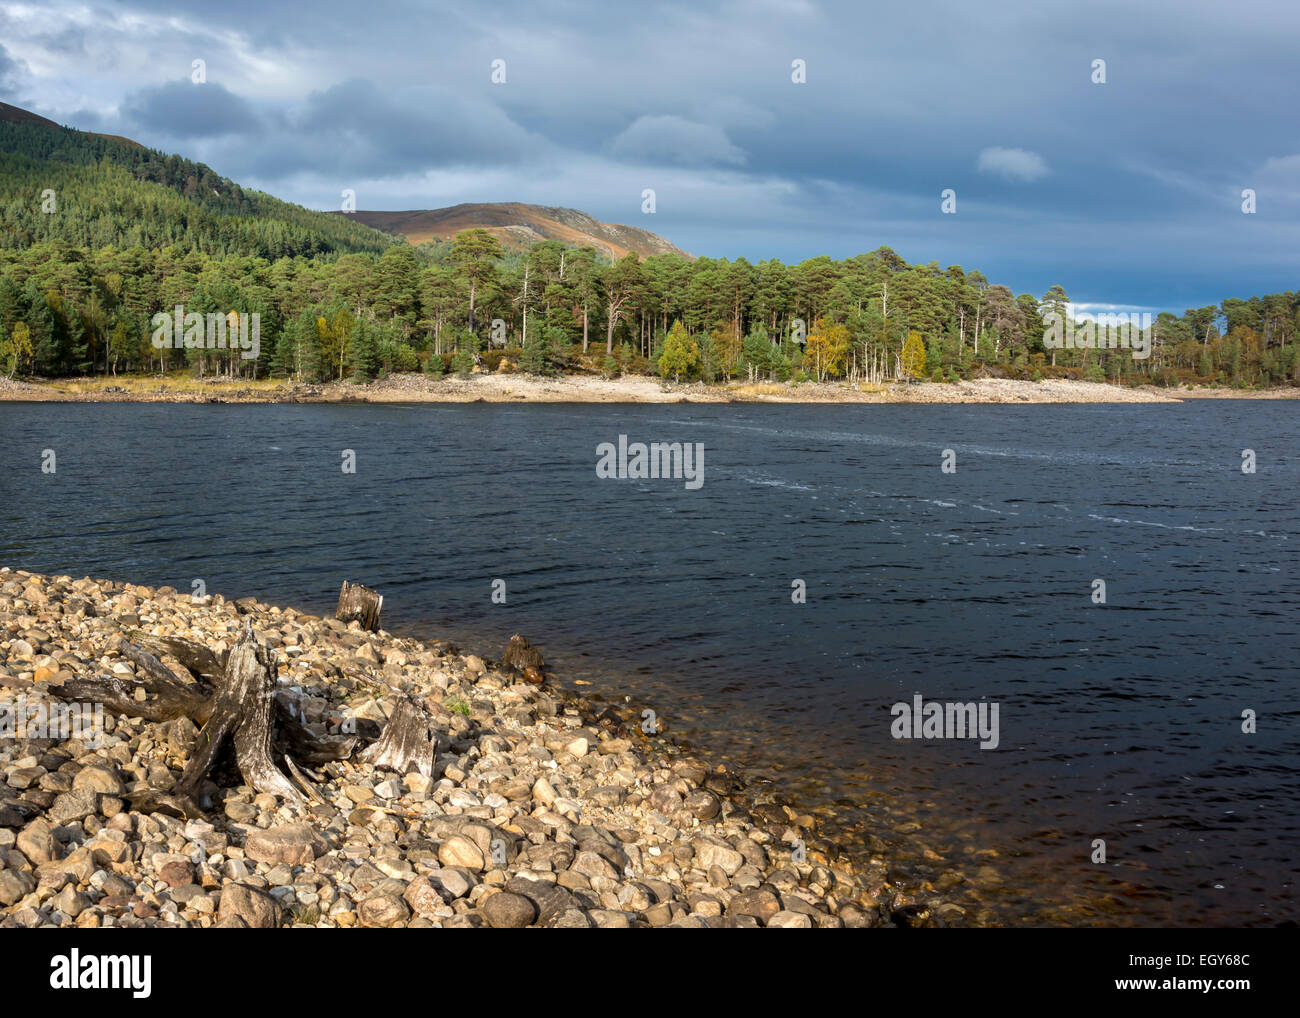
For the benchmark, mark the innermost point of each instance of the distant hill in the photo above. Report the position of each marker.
(125, 195)
(15, 115)
(114, 191)
(518, 226)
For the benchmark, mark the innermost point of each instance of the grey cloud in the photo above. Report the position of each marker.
(11, 72)
(183, 109)
(357, 127)
(673, 139)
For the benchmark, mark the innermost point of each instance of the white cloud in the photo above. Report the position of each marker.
(1012, 163)
(1077, 308)
(1277, 181)
(1282, 166)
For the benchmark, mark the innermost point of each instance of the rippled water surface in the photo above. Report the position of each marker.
(1118, 721)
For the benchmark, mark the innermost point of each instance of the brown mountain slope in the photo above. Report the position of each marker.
(518, 226)
(16, 115)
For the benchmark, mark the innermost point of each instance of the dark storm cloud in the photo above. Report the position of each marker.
(185, 109)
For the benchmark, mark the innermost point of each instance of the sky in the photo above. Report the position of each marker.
(1127, 191)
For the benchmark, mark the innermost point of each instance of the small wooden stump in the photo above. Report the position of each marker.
(359, 604)
(524, 658)
(408, 741)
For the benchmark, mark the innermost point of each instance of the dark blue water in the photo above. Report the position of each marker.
(1118, 721)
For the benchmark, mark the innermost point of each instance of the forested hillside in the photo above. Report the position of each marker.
(97, 236)
(109, 191)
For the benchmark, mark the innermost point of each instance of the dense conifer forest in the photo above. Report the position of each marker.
(98, 236)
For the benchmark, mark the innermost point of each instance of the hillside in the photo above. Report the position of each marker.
(127, 195)
(16, 115)
(113, 191)
(518, 226)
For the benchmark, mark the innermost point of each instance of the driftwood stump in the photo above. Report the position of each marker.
(408, 740)
(233, 699)
(241, 712)
(172, 697)
(524, 659)
(359, 604)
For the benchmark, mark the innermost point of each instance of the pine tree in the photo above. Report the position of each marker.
(467, 356)
(779, 363)
(307, 364)
(365, 352)
(282, 364)
(709, 355)
(43, 330)
(756, 353)
(536, 357)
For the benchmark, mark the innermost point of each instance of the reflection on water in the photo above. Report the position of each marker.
(1119, 721)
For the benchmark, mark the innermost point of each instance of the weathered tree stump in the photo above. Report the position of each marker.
(202, 663)
(409, 740)
(359, 604)
(240, 710)
(524, 659)
(172, 697)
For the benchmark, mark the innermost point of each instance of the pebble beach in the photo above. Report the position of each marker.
(543, 808)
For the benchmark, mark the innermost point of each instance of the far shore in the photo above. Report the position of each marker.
(519, 388)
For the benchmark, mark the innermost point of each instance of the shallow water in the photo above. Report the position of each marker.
(1118, 721)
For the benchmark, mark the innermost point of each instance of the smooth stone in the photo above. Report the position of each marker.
(98, 779)
(249, 906)
(507, 911)
(37, 843)
(14, 886)
(709, 853)
(295, 844)
(383, 910)
(458, 850)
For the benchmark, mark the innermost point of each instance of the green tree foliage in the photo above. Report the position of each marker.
(538, 356)
(396, 356)
(434, 366)
(365, 352)
(137, 233)
(15, 348)
(474, 254)
(466, 355)
(756, 353)
(681, 353)
(709, 355)
(111, 193)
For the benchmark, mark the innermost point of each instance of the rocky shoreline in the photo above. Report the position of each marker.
(519, 388)
(542, 809)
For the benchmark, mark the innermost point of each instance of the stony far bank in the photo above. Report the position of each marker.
(541, 808)
(519, 388)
